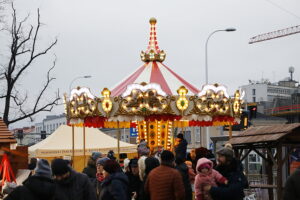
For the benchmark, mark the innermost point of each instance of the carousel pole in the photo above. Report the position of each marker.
(230, 131)
(84, 159)
(118, 137)
(73, 153)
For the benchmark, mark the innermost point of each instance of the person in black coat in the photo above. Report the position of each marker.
(90, 170)
(134, 179)
(292, 186)
(40, 186)
(181, 147)
(232, 170)
(71, 185)
(115, 185)
(184, 171)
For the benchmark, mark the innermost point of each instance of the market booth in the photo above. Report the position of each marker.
(59, 145)
(153, 100)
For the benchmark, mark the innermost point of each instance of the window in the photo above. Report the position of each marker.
(126, 136)
(253, 91)
(253, 99)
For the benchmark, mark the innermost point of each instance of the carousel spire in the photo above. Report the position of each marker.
(153, 53)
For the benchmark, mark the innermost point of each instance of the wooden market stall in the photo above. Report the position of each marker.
(274, 144)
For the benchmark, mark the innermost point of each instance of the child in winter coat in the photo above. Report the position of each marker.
(206, 175)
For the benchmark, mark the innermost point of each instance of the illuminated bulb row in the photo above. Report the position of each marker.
(158, 133)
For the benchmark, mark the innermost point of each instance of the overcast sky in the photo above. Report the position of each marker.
(104, 39)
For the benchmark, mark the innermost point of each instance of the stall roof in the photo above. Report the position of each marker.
(262, 134)
(6, 136)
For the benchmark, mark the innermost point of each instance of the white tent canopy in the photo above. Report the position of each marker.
(59, 143)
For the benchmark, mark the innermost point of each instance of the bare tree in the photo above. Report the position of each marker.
(23, 51)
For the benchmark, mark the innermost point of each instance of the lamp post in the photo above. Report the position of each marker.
(79, 77)
(206, 45)
(206, 69)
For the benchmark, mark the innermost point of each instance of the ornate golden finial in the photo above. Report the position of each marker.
(153, 53)
(152, 20)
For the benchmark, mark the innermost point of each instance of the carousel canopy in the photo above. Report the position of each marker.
(154, 71)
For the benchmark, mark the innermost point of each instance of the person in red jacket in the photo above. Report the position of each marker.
(206, 175)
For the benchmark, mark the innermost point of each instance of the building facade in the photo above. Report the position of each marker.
(50, 123)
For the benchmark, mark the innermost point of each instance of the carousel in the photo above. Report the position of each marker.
(154, 100)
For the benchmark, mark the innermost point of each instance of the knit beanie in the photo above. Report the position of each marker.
(180, 136)
(167, 156)
(60, 167)
(96, 155)
(102, 161)
(111, 166)
(43, 168)
(227, 152)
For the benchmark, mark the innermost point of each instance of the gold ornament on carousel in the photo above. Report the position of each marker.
(182, 103)
(106, 102)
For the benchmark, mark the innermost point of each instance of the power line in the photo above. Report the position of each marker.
(283, 9)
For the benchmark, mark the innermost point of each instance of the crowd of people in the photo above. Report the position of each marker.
(159, 175)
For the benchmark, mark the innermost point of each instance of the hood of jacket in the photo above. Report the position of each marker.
(202, 161)
(116, 176)
(42, 187)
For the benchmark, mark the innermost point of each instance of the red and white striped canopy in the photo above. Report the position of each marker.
(154, 71)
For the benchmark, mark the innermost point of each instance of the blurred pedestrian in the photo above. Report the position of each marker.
(134, 179)
(100, 174)
(37, 187)
(157, 154)
(126, 165)
(90, 170)
(292, 186)
(71, 185)
(184, 171)
(206, 176)
(115, 184)
(165, 182)
(32, 163)
(192, 157)
(192, 174)
(181, 146)
(143, 149)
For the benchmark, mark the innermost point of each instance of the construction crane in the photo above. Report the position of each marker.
(275, 34)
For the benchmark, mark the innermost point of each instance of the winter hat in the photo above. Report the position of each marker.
(203, 163)
(227, 152)
(60, 167)
(167, 156)
(133, 163)
(180, 136)
(96, 155)
(111, 166)
(102, 161)
(111, 154)
(43, 168)
(143, 150)
(142, 167)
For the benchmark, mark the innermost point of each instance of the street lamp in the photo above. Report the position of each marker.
(206, 71)
(79, 77)
(206, 62)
